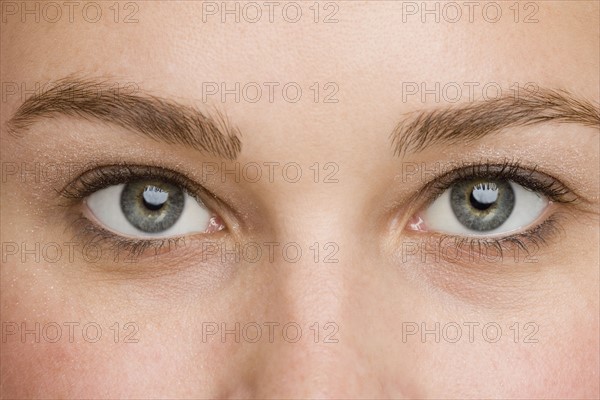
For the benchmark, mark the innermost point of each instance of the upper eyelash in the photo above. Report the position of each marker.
(101, 177)
(512, 170)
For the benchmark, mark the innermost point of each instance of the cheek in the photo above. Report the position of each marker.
(562, 364)
(34, 370)
(52, 345)
(161, 357)
(572, 361)
(564, 368)
(86, 370)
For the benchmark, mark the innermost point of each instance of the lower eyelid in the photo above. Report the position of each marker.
(115, 247)
(519, 248)
(418, 224)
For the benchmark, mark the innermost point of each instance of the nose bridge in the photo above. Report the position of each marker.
(312, 275)
(313, 341)
(310, 354)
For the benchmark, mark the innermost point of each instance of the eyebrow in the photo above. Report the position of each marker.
(155, 117)
(466, 123)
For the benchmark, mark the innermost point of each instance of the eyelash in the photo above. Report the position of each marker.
(103, 176)
(510, 170)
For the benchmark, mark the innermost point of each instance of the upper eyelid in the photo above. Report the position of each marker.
(429, 191)
(438, 184)
(74, 190)
(208, 198)
(133, 172)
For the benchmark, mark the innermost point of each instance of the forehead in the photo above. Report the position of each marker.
(370, 41)
(323, 67)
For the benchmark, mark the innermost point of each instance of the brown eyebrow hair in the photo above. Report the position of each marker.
(466, 123)
(155, 117)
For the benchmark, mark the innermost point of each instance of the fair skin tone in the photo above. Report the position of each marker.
(373, 294)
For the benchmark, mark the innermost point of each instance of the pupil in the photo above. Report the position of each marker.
(481, 205)
(154, 197)
(483, 196)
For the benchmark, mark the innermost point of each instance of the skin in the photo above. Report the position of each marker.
(371, 295)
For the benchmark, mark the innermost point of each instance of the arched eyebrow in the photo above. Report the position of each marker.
(155, 117)
(466, 123)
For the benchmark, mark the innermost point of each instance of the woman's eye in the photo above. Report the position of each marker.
(480, 207)
(150, 208)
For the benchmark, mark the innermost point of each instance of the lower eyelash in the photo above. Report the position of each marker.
(120, 247)
(524, 244)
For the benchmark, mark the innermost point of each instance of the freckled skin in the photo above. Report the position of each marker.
(371, 296)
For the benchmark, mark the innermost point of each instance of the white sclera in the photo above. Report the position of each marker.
(105, 205)
(528, 207)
